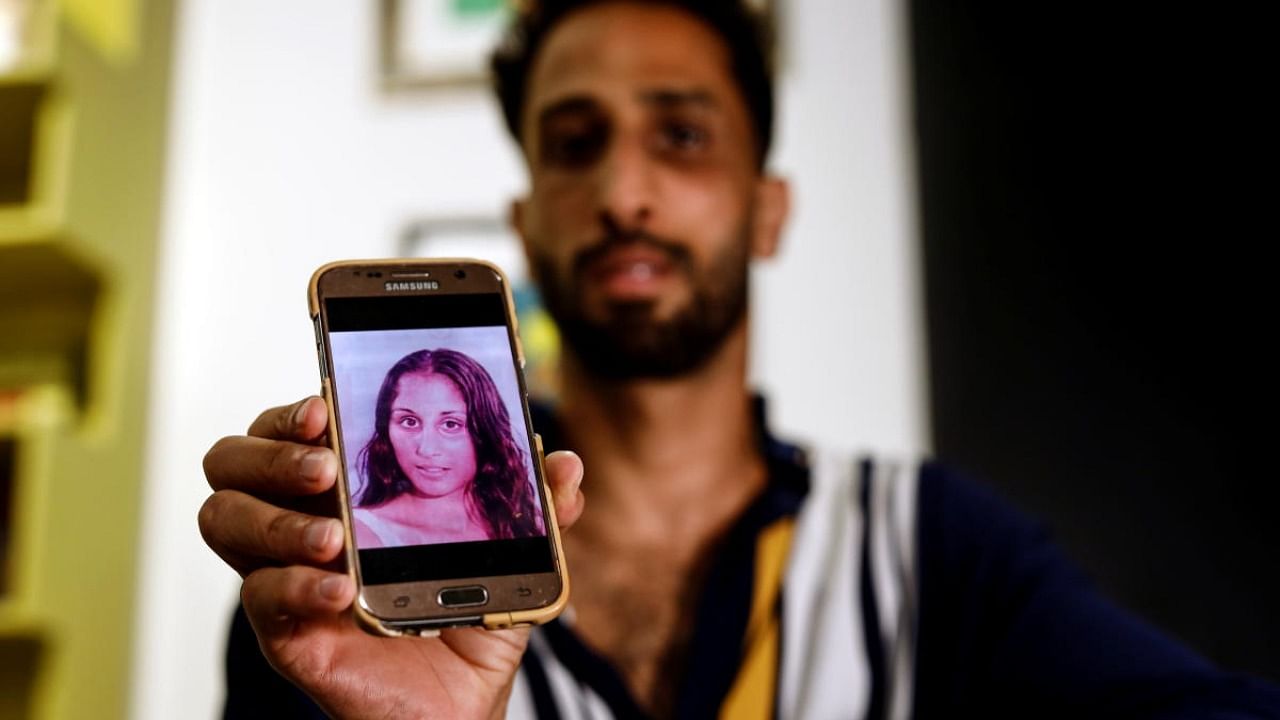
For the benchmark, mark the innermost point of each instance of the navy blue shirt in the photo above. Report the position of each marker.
(1005, 626)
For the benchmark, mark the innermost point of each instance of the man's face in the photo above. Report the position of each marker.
(645, 190)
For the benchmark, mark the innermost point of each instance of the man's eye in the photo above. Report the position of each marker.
(573, 149)
(684, 137)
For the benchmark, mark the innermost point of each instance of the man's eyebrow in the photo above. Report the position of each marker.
(678, 98)
(568, 106)
(663, 98)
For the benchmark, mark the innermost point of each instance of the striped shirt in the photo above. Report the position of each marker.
(813, 583)
(866, 588)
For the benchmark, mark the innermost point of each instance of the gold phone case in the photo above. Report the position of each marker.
(432, 626)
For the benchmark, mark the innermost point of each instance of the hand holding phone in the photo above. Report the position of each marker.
(298, 599)
(272, 518)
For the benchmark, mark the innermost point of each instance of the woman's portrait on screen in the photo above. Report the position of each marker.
(442, 464)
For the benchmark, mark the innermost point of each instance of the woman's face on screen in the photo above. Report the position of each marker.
(428, 431)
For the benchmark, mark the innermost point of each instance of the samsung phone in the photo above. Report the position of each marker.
(447, 514)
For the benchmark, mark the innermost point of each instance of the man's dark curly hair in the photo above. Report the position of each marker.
(744, 32)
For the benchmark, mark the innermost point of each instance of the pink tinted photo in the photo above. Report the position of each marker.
(434, 436)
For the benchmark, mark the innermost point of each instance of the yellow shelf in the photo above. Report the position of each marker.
(28, 421)
(27, 128)
(48, 301)
(35, 140)
(15, 623)
(37, 26)
(82, 128)
(27, 74)
(22, 656)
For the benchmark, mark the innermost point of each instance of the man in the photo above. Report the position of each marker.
(718, 571)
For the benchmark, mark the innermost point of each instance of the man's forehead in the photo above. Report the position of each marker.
(648, 54)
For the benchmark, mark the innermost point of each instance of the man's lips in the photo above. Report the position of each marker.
(631, 271)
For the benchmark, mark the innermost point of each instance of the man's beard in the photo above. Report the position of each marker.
(629, 343)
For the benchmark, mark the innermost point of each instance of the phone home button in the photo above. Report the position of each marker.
(469, 596)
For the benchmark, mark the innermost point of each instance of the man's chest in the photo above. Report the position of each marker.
(637, 609)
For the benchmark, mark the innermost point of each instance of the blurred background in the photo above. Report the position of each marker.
(1012, 247)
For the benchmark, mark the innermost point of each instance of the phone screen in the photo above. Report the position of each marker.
(435, 439)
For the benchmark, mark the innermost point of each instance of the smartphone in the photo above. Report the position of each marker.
(447, 513)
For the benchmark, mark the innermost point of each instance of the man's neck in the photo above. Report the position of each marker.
(673, 459)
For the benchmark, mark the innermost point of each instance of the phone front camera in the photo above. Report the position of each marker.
(459, 274)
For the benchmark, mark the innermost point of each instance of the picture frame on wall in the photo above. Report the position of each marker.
(433, 44)
(490, 238)
(442, 44)
(479, 236)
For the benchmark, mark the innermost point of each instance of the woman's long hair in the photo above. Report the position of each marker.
(501, 491)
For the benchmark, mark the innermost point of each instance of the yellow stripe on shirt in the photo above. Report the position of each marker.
(752, 694)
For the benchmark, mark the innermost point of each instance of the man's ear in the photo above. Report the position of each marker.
(773, 205)
(515, 220)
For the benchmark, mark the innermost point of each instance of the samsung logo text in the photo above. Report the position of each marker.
(411, 285)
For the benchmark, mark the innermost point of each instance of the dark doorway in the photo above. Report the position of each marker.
(1096, 312)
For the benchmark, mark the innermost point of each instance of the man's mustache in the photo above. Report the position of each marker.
(675, 253)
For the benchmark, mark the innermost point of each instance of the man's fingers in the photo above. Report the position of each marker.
(564, 474)
(303, 421)
(249, 533)
(275, 598)
(274, 467)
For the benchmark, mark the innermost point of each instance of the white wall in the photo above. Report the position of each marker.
(838, 346)
(285, 155)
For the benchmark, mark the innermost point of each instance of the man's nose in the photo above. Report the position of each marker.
(628, 184)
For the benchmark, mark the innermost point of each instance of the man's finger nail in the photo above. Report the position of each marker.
(300, 413)
(312, 464)
(332, 587)
(577, 477)
(319, 535)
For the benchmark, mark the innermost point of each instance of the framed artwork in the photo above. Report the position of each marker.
(439, 43)
(426, 44)
(489, 238)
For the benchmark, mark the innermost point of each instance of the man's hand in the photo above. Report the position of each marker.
(298, 600)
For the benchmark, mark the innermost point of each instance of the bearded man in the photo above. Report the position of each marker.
(719, 571)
